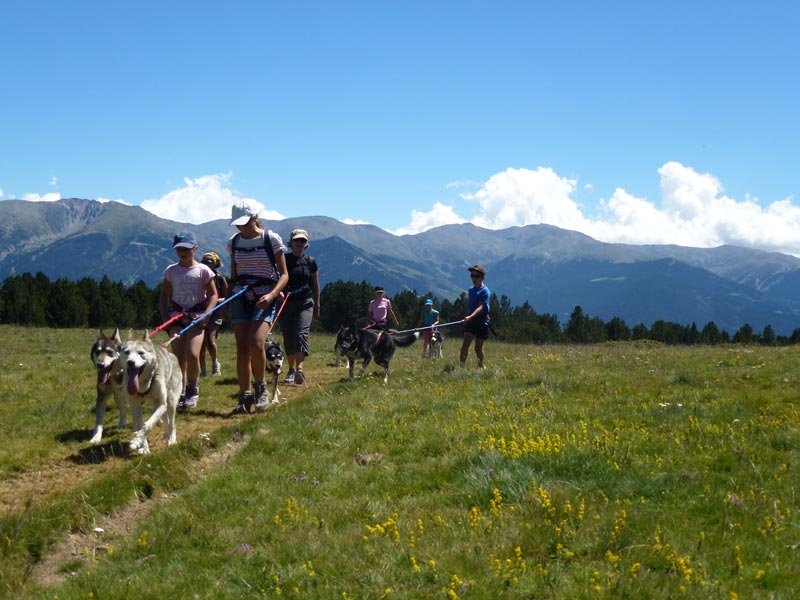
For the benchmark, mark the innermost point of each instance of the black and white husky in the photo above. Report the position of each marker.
(275, 356)
(105, 358)
(369, 344)
(436, 346)
(151, 373)
(337, 346)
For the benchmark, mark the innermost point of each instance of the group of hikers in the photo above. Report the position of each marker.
(271, 283)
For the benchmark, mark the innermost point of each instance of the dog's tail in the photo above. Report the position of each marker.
(406, 340)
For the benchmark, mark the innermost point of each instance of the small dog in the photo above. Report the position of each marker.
(436, 344)
(370, 344)
(151, 373)
(105, 357)
(275, 358)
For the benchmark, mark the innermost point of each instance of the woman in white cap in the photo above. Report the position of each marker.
(301, 307)
(257, 262)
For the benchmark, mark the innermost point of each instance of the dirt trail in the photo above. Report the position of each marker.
(81, 547)
(94, 461)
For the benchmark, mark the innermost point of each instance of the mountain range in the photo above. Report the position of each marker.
(552, 269)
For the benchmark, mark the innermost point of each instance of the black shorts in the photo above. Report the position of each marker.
(477, 328)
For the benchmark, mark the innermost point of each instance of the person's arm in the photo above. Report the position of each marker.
(474, 313)
(223, 291)
(164, 300)
(314, 283)
(234, 274)
(391, 314)
(211, 294)
(436, 320)
(269, 298)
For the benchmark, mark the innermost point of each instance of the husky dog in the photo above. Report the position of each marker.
(275, 356)
(150, 373)
(436, 344)
(369, 344)
(337, 347)
(105, 355)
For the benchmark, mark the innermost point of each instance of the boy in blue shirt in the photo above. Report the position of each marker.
(476, 323)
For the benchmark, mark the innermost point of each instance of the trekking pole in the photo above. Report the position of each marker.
(166, 323)
(203, 316)
(278, 314)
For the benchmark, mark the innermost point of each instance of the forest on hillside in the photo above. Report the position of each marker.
(35, 300)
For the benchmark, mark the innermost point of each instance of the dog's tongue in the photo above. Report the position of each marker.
(102, 376)
(133, 381)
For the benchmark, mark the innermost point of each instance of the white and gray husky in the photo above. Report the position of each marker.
(151, 373)
(105, 357)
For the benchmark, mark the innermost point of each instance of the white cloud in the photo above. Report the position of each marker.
(203, 199)
(461, 184)
(50, 197)
(355, 222)
(522, 196)
(440, 214)
(693, 211)
(1, 192)
(53, 180)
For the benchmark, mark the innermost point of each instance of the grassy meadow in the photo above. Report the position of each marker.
(629, 470)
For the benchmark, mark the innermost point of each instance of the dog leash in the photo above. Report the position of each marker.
(431, 326)
(203, 316)
(166, 323)
(278, 314)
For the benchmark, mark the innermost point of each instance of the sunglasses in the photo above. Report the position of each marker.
(476, 276)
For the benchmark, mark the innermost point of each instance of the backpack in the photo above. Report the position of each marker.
(267, 247)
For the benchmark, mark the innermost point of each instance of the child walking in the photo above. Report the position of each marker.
(213, 262)
(188, 287)
(429, 318)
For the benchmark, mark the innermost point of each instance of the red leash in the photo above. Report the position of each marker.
(280, 310)
(167, 323)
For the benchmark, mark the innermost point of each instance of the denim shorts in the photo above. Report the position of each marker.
(245, 311)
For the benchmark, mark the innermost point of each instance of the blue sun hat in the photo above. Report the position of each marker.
(184, 239)
(428, 302)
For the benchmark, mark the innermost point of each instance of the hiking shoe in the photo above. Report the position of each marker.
(215, 370)
(203, 373)
(245, 403)
(192, 396)
(299, 377)
(182, 401)
(289, 377)
(262, 396)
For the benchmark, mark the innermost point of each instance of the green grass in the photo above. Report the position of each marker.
(612, 471)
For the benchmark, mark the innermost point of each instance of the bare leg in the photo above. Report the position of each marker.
(479, 352)
(243, 337)
(468, 337)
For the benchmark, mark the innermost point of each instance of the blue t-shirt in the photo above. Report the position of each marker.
(429, 318)
(479, 296)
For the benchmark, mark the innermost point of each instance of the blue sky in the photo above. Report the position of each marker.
(638, 122)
